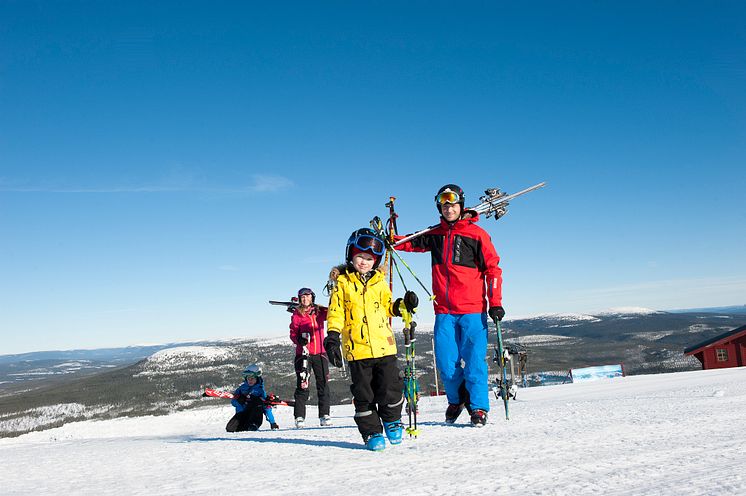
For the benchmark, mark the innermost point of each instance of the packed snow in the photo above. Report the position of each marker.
(671, 434)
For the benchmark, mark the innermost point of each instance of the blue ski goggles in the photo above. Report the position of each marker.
(372, 244)
(447, 197)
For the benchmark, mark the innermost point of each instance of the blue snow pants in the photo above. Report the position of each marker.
(464, 337)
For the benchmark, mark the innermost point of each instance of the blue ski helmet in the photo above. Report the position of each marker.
(365, 239)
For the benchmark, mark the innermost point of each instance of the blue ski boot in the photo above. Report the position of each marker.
(394, 431)
(375, 442)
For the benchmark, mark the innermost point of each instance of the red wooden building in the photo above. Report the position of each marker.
(725, 350)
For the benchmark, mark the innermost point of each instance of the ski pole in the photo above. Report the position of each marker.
(377, 226)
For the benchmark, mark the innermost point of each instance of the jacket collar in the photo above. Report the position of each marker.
(461, 223)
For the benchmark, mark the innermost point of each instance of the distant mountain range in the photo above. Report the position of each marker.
(733, 309)
(44, 389)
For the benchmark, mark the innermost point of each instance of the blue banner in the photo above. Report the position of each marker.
(598, 372)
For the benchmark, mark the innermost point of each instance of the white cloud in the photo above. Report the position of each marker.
(269, 184)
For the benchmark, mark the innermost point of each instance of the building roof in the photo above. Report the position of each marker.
(711, 341)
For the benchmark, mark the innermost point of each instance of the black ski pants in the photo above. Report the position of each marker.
(249, 419)
(319, 364)
(377, 386)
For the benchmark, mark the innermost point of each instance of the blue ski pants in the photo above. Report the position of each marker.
(457, 338)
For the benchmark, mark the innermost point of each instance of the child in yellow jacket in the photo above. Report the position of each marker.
(358, 328)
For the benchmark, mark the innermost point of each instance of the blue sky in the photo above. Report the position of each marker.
(166, 169)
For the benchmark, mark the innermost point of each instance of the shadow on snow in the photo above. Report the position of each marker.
(279, 440)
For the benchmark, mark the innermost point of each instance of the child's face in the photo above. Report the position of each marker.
(250, 380)
(363, 262)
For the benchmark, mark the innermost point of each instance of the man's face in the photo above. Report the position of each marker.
(450, 211)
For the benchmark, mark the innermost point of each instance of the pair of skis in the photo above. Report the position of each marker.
(411, 388)
(271, 400)
(501, 388)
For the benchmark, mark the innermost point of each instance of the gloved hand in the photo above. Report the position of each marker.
(497, 313)
(274, 426)
(410, 303)
(333, 348)
(302, 341)
(241, 398)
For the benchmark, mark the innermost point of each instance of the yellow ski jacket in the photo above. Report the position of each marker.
(360, 313)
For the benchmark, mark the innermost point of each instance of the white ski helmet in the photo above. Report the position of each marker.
(254, 370)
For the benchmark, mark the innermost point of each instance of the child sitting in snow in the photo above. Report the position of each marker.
(249, 399)
(358, 326)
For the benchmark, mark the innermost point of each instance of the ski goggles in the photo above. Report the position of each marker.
(250, 375)
(305, 291)
(372, 244)
(447, 197)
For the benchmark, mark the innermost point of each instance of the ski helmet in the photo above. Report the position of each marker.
(450, 193)
(254, 370)
(365, 239)
(307, 291)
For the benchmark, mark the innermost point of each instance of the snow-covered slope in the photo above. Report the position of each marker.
(677, 434)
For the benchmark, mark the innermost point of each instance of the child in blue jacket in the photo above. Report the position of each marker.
(249, 399)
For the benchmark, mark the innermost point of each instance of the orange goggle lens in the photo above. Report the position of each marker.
(447, 197)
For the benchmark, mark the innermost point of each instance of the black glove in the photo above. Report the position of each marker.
(274, 426)
(241, 398)
(333, 349)
(497, 313)
(410, 303)
(302, 341)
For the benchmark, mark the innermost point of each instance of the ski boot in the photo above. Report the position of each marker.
(300, 423)
(394, 431)
(325, 421)
(452, 412)
(478, 418)
(375, 442)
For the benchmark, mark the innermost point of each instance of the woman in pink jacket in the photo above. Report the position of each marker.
(307, 332)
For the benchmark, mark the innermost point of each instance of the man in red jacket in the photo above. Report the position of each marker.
(467, 284)
(307, 333)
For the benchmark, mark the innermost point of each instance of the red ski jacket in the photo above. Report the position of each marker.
(465, 267)
(312, 324)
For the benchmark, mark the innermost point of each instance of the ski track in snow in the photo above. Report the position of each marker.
(677, 434)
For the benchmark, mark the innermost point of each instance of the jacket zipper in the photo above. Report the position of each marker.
(446, 261)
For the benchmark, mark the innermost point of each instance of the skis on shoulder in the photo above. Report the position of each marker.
(494, 203)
